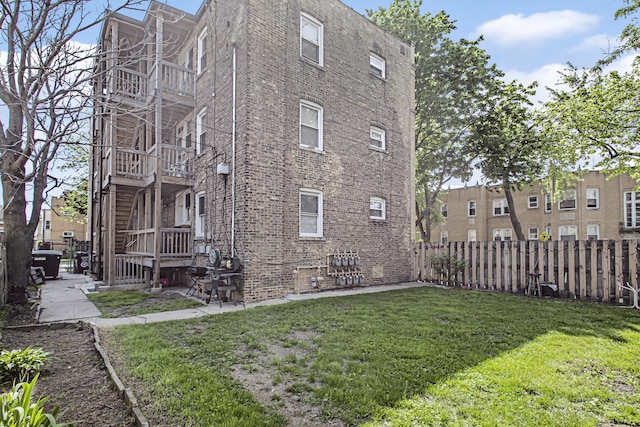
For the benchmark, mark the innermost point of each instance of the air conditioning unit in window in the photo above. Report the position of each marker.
(66, 234)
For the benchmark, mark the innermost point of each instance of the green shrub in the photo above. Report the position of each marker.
(19, 411)
(21, 365)
(446, 266)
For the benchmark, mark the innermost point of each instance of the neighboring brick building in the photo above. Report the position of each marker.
(287, 137)
(594, 208)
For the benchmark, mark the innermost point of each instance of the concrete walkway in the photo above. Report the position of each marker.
(65, 300)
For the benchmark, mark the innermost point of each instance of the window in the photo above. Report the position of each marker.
(200, 220)
(201, 131)
(311, 39)
(533, 233)
(500, 207)
(444, 210)
(376, 65)
(593, 201)
(47, 224)
(593, 232)
(632, 209)
(444, 237)
(471, 235)
(202, 51)
(547, 203)
(471, 208)
(376, 138)
(310, 125)
(310, 213)
(533, 202)
(568, 232)
(377, 208)
(189, 59)
(568, 200)
(501, 234)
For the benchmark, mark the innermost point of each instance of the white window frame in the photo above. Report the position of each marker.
(471, 208)
(504, 234)
(201, 130)
(631, 209)
(201, 214)
(305, 20)
(593, 230)
(47, 224)
(377, 65)
(548, 203)
(377, 204)
(377, 138)
(310, 105)
(444, 210)
(593, 194)
(202, 51)
(472, 235)
(565, 230)
(567, 198)
(533, 233)
(444, 237)
(502, 206)
(318, 215)
(532, 201)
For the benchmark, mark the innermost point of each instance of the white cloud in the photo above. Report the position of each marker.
(623, 64)
(602, 43)
(546, 76)
(514, 29)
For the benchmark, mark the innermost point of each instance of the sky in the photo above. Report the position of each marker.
(531, 40)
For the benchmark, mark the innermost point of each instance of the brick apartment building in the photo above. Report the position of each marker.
(594, 208)
(281, 133)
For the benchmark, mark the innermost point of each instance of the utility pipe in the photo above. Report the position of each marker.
(233, 158)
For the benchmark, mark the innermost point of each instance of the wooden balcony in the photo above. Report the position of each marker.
(175, 243)
(137, 168)
(135, 88)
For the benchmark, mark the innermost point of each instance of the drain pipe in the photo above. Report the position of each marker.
(233, 158)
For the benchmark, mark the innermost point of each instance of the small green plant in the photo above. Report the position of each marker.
(18, 410)
(446, 266)
(21, 365)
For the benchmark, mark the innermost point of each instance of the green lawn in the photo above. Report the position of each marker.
(429, 356)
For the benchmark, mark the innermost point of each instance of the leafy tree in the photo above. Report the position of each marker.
(44, 90)
(453, 81)
(511, 148)
(76, 198)
(598, 116)
(630, 37)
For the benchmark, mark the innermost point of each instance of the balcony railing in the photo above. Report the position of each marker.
(177, 161)
(134, 85)
(175, 242)
(131, 163)
(128, 270)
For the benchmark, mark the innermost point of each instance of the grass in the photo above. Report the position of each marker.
(427, 356)
(135, 303)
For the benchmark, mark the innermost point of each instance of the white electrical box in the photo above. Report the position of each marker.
(223, 169)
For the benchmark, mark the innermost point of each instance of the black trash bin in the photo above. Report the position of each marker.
(49, 260)
(82, 262)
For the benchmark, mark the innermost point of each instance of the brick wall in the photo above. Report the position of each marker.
(271, 167)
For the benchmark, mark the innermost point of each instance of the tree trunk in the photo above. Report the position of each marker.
(19, 241)
(512, 214)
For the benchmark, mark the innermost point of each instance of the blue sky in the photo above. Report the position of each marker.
(531, 40)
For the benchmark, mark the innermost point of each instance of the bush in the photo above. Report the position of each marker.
(446, 266)
(21, 365)
(18, 410)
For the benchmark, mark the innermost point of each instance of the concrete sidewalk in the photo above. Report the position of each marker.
(65, 300)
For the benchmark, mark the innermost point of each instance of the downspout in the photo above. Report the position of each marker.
(233, 158)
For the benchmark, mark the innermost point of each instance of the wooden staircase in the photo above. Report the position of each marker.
(125, 204)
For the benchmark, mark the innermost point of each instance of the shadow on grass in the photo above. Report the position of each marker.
(366, 352)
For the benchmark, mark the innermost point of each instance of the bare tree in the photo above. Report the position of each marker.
(44, 93)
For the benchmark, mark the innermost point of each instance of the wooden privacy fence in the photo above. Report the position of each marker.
(592, 269)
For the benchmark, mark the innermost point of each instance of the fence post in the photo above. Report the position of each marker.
(562, 284)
